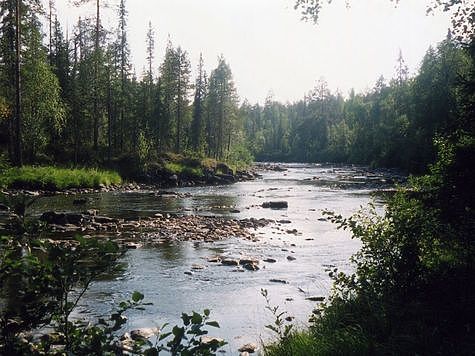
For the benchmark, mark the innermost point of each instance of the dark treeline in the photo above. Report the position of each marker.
(392, 125)
(82, 102)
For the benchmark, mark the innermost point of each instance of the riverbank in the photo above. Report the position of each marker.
(57, 179)
(34, 181)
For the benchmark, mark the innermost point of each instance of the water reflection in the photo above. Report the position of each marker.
(234, 297)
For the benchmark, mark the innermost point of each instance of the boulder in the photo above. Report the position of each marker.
(229, 262)
(275, 205)
(143, 333)
(248, 260)
(104, 220)
(224, 169)
(251, 266)
(275, 280)
(52, 217)
(251, 348)
(316, 299)
(79, 201)
(207, 340)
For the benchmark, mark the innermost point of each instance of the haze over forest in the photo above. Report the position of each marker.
(270, 49)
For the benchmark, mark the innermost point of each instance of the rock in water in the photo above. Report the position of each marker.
(275, 205)
(143, 333)
(251, 348)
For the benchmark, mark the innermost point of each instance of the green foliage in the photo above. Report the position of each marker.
(282, 327)
(51, 178)
(411, 292)
(42, 282)
(393, 125)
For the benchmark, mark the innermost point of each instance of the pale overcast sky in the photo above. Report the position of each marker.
(269, 48)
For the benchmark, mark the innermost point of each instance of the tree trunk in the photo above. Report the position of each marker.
(18, 119)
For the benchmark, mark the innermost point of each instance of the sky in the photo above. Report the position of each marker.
(269, 48)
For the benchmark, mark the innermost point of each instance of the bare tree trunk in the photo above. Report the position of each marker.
(96, 79)
(18, 119)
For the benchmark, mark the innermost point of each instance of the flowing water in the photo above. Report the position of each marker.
(235, 297)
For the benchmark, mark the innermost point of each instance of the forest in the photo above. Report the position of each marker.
(75, 113)
(83, 104)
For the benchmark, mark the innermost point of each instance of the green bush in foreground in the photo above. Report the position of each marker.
(51, 178)
(412, 289)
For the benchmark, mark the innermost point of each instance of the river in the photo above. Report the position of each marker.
(234, 298)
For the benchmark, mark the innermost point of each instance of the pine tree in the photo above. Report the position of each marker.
(197, 124)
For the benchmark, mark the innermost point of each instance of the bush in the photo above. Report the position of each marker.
(412, 290)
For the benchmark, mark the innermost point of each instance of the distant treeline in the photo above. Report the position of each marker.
(393, 124)
(83, 104)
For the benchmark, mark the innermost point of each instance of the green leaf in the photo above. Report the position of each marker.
(137, 297)
(213, 323)
(196, 318)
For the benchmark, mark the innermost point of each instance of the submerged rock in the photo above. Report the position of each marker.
(275, 205)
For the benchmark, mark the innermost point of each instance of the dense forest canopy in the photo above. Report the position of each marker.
(82, 102)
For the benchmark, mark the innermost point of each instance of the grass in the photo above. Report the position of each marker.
(51, 178)
(180, 168)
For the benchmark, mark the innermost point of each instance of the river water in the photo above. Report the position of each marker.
(234, 298)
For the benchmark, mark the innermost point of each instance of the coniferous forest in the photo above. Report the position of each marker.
(80, 127)
(84, 104)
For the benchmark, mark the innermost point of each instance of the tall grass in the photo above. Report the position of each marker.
(51, 178)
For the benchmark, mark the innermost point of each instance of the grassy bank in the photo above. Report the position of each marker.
(51, 178)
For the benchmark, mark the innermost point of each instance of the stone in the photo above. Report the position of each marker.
(251, 348)
(270, 260)
(104, 220)
(206, 340)
(143, 333)
(80, 201)
(224, 169)
(316, 299)
(133, 245)
(52, 217)
(248, 260)
(275, 205)
(291, 258)
(275, 280)
(229, 262)
(251, 266)
(284, 221)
